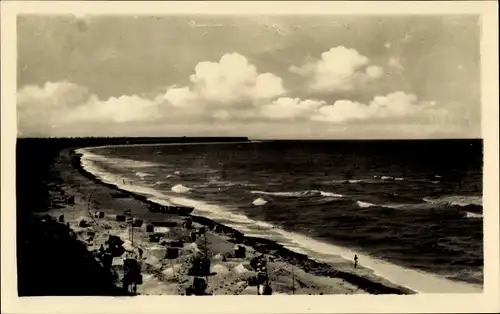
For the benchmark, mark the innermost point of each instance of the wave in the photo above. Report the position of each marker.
(456, 200)
(363, 204)
(221, 183)
(179, 188)
(329, 194)
(259, 201)
(473, 215)
(307, 193)
(381, 180)
(116, 161)
(376, 180)
(142, 174)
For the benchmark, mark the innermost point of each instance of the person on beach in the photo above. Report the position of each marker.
(140, 253)
(355, 260)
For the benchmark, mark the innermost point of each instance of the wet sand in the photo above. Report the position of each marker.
(229, 275)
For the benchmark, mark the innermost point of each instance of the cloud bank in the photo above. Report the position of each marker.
(233, 92)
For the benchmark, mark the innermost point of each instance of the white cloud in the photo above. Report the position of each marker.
(230, 92)
(397, 105)
(338, 69)
(342, 110)
(121, 109)
(290, 108)
(230, 83)
(180, 96)
(233, 78)
(65, 104)
(374, 71)
(387, 45)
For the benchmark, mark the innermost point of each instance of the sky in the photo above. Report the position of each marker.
(328, 76)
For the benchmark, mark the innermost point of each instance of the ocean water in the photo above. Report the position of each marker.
(411, 210)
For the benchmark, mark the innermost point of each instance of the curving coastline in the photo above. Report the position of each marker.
(370, 285)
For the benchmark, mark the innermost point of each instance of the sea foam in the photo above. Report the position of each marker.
(259, 201)
(306, 193)
(179, 188)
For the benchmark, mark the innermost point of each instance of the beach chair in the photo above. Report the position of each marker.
(188, 223)
(177, 244)
(198, 287)
(266, 290)
(240, 252)
(107, 259)
(172, 253)
(154, 238)
(115, 246)
(192, 236)
(132, 275)
(238, 237)
(137, 223)
(70, 200)
(257, 262)
(200, 267)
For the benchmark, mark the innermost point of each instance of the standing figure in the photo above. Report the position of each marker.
(355, 260)
(140, 253)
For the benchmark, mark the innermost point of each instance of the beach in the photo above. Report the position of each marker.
(288, 272)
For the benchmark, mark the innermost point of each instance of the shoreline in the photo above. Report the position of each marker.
(302, 261)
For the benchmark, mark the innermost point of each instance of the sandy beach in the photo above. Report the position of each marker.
(288, 272)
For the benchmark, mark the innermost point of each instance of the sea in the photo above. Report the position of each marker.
(411, 210)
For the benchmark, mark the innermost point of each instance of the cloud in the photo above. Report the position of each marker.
(338, 69)
(233, 93)
(232, 79)
(290, 108)
(230, 83)
(64, 104)
(397, 106)
(179, 96)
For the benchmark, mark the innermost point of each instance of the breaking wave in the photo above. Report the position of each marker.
(364, 204)
(307, 193)
(456, 200)
(179, 188)
(142, 174)
(473, 215)
(259, 201)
